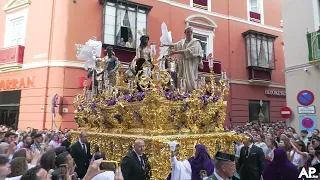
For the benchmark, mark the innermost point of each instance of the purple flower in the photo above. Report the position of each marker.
(112, 102)
(93, 105)
(128, 97)
(141, 95)
(215, 99)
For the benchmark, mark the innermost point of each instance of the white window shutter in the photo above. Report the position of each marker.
(109, 24)
(141, 25)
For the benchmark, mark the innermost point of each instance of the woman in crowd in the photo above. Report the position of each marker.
(48, 160)
(272, 145)
(19, 166)
(299, 155)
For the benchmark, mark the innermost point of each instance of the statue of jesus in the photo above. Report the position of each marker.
(189, 58)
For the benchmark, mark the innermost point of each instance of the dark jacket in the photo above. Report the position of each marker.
(81, 158)
(132, 169)
(66, 143)
(251, 167)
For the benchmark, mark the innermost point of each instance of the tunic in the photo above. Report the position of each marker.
(189, 61)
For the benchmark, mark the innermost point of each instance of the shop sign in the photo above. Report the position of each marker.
(21, 83)
(306, 109)
(275, 93)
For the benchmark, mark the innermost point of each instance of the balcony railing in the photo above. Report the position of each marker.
(11, 58)
(216, 67)
(255, 17)
(259, 74)
(314, 46)
(202, 4)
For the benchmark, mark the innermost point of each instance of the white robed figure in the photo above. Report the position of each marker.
(194, 168)
(189, 58)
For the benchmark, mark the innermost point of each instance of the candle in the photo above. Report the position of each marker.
(182, 84)
(106, 82)
(158, 76)
(199, 84)
(109, 89)
(211, 63)
(203, 81)
(85, 83)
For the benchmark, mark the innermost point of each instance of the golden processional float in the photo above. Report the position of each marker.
(143, 103)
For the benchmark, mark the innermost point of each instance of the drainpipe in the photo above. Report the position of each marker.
(49, 61)
(229, 64)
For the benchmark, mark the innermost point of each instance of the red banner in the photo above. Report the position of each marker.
(12, 55)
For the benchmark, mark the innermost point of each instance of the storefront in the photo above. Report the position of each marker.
(246, 101)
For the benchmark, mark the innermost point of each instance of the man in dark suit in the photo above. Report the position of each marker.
(251, 161)
(66, 142)
(135, 165)
(80, 151)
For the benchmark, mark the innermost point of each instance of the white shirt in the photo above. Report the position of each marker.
(54, 144)
(14, 178)
(139, 157)
(263, 146)
(85, 146)
(217, 176)
(297, 160)
(249, 148)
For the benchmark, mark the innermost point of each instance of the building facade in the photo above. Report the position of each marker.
(301, 51)
(38, 55)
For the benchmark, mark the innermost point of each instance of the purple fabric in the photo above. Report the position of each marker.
(280, 168)
(201, 161)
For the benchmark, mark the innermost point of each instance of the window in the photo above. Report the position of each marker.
(255, 10)
(255, 108)
(204, 42)
(17, 31)
(202, 4)
(123, 21)
(260, 49)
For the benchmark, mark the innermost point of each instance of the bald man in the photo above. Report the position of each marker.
(134, 165)
(80, 151)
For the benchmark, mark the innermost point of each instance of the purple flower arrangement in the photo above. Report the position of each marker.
(169, 95)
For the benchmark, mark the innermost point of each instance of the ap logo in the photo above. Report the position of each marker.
(311, 173)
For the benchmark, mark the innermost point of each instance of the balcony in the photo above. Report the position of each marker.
(255, 17)
(11, 58)
(201, 4)
(314, 47)
(260, 56)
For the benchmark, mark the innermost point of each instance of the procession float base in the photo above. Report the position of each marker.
(116, 146)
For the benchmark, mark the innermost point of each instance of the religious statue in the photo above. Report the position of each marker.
(97, 75)
(165, 61)
(189, 58)
(111, 66)
(143, 53)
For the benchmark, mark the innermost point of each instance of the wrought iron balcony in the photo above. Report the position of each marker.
(202, 4)
(255, 17)
(314, 47)
(11, 58)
